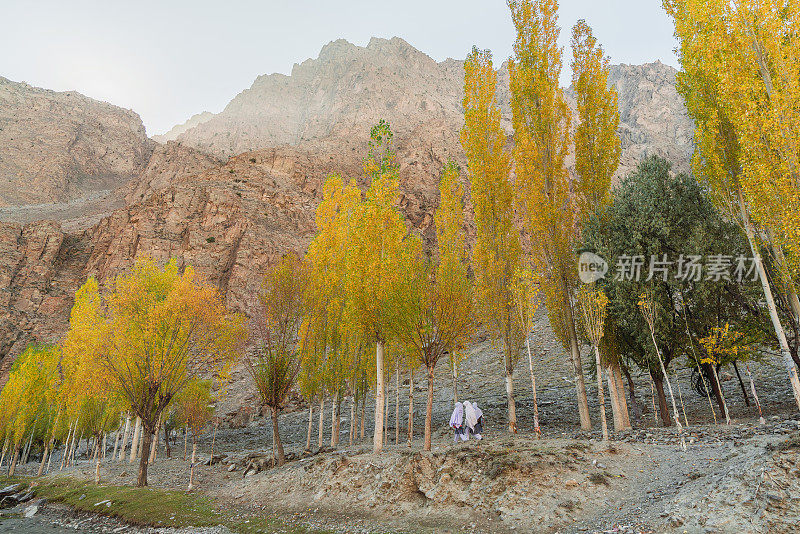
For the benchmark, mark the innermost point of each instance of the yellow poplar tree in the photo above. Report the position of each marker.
(85, 346)
(597, 153)
(592, 303)
(380, 256)
(26, 401)
(438, 317)
(526, 301)
(194, 408)
(167, 328)
(541, 122)
(739, 80)
(497, 250)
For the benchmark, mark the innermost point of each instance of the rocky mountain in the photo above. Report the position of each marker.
(348, 88)
(59, 146)
(240, 189)
(336, 95)
(175, 131)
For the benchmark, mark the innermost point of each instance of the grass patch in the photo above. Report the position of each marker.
(152, 507)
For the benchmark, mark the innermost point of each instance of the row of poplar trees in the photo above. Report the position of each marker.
(740, 80)
(132, 362)
(532, 182)
(366, 284)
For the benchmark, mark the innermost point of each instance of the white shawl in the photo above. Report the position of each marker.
(470, 415)
(457, 419)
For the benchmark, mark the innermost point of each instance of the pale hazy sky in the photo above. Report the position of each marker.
(170, 59)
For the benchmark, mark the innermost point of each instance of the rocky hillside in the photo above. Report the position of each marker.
(60, 146)
(241, 188)
(348, 88)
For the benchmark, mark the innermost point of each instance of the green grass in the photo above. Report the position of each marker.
(152, 507)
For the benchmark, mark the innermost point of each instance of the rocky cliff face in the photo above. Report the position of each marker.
(41, 267)
(59, 146)
(240, 189)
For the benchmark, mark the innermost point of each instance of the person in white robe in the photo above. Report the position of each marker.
(473, 419)
(457, 423)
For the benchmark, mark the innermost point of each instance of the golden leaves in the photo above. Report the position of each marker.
(497, 248)
(593, 303)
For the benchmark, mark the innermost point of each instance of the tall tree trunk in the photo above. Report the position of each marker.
(616, 398)
(533, 387)
(13, 465)
(167, 447)
(683, 407)
(185, 438)
(193, 462)
(577, 367)
(321, 429)
(616, 373)
(669, 387)
(637, 410)
(147, 437)
(411, 406)
(708, 394)
(137, 430)
(429, 410)
(755, 395)
(50, 458)
(310, 425)
(386, 415)
(44, 459)
(512, 405)
(741, 384)
(661, 398)
(791, 368)
(352, 433)
(117, 436)
(66, 447)
(277, 438)
(335, 420)
(601, 398)
(788, 285)
(363, 412)
(716, 389)
(153, 445)
(97, 466)
(455, 380)
(397, 407)
(125, 437)
(28, 447)
(377, 442)
(76, 440)
(3, 454)
(722, 395)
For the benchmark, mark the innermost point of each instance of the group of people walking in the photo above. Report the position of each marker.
(467, 419)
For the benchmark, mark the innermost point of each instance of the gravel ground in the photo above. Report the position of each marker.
(730, 475)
